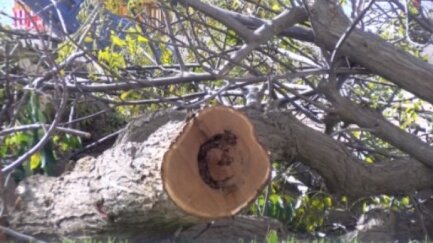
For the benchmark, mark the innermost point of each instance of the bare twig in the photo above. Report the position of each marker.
(75, 132)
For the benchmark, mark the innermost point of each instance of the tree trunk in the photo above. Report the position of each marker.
(174, 173)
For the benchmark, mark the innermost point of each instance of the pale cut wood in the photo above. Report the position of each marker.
(232, 171)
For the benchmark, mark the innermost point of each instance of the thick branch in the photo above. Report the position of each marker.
(251, 22)
(263, 34)
(219, 14)
(370, 51)
(286, 137)
(371, 119)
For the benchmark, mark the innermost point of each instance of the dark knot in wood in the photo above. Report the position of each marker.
(213, 155)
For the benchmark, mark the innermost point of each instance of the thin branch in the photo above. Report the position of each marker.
(84, 117)
(75, 132)
(179, 58)
(357, 129)
(96, 143)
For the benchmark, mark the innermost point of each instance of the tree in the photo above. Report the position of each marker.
(350, 98)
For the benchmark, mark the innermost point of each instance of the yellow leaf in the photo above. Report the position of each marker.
(35, 161)
(344, 199)
(369, 160)
(328, 201)
(357, 134)
(118, 41)
(276, 7)
(104, 55)
(125, 95)
(56, 138)
(142, 39)
(166, 57)
(88, 39)
(171, 89)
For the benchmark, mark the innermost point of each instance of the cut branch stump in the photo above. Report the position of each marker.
(216, 166)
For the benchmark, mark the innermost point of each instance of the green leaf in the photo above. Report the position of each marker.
(3, 150)
(328, 201)
(272, 237)
(166, 57)
(405, 201)
(274, 198)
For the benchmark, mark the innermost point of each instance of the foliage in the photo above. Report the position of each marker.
(301, 210)
(38, 111)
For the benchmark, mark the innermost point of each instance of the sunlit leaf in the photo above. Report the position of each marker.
(142, 39)
(35, 161)
(276, 7)
(272, 237)
(328, 201)
(88, 39)
(118, 41)
(405, 201)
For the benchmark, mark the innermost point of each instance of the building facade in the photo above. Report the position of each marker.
(26, 19)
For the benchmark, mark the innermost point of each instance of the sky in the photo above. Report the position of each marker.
(6, 6)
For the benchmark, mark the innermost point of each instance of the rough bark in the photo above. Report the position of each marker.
(101, 193)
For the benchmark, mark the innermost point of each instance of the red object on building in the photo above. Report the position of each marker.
(25, 19)
(416, 4)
